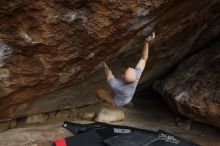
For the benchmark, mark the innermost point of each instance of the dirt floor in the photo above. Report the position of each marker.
(148, 111)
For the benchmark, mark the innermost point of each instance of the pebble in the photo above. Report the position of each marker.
(108, 115)
(89, 116)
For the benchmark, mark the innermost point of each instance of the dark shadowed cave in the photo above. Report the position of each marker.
(50, 65)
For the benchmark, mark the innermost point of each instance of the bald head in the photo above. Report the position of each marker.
(130, 75)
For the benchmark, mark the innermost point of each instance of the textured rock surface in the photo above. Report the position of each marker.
(49, 45)
(38, 136)
(39, 118)
(193, 89)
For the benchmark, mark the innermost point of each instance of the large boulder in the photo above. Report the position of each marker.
(193, 89)
(49, 50)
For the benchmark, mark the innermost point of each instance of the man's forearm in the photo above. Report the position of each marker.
(107, 69)
(144, 57)
(145, 51)
(108, 72)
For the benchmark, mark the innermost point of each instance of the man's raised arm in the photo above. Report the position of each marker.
(144, 57)
(108, 72)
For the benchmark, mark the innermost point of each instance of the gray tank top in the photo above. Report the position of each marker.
(123, 92)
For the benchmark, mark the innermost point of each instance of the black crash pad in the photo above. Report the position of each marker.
(102, 134)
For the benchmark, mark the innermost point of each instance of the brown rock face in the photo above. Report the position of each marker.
(48, 45)
(193, 89)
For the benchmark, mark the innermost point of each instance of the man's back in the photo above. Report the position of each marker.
(123, 92)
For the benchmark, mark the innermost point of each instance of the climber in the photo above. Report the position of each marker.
(123, 88)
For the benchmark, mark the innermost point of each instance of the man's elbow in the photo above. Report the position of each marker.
(144, 58)
(110, 77)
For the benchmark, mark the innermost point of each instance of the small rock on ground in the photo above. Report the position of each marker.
(39, 118)
(90, 116)
(108, 116)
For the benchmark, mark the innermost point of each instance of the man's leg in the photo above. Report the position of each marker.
(106, 96)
